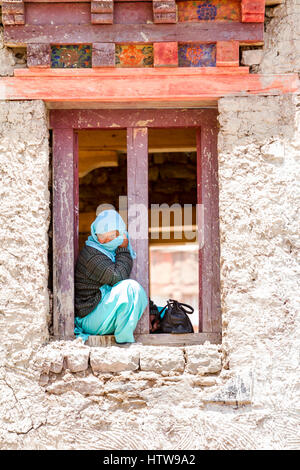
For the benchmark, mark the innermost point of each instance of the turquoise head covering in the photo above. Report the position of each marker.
(107, 221)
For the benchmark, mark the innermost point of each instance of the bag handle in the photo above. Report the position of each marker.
(160, 313)
(181, 305)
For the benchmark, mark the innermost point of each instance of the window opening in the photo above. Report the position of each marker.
(102, 172)
(173, 230)
(75, 158)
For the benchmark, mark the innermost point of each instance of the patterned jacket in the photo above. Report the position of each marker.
(93, 270)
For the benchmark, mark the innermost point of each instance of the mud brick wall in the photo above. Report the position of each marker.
(239, 395)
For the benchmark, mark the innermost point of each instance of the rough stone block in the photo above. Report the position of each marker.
(85, 385)
(114, 359)
(56, 362)
(252, 57)
(49, 360)
(77, 360)
(165, 54)
(238, 391)
(202, 359)
(205, 381)
(273, 151)
(43, 380)
(161, 359)
(103, 55)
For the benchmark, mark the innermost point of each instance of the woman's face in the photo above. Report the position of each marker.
(107, 236)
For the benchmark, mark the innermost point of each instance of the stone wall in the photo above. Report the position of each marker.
(24, 214)
(281, 51)
(10, 58)
(259, 152)
(242, 394)
(279, 54)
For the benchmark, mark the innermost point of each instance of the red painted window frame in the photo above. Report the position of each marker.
(64, 124)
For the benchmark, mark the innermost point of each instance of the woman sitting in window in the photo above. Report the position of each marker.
(106, 300)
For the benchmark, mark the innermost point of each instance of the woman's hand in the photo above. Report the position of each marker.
(125, 242)
(154, 323)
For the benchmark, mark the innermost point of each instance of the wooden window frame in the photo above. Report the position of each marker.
(65, 124)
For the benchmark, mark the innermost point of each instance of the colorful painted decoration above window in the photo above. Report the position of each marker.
(209, 10)
(134, 55)
(73, 56)
(197, 55)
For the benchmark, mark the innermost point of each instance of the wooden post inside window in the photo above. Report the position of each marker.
(63, 233)
(137, 175)
(208, 220)
(76, 196)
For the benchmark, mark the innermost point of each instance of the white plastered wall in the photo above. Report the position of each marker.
(259, 160)
(281, 52)
(24, 220)
(66, 395)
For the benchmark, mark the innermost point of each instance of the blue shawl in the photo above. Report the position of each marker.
(107, 221)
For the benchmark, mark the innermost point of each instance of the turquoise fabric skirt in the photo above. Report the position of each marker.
(120, 308)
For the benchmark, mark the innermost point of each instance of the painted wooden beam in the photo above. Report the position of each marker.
(132, 12)
(102, 11)
(143, 86)
(137, 193)
(58, 13)
(102, 6)
(13, 12)
(103, 54)
(253, 11)
(165, 54)
(268, 2)
(164, 11)
(227, 54)
(39, 55)
(129, 72)
(118, 118)
(159, 339)
(130, 33)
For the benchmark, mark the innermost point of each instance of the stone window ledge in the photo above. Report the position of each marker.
(74, 356)
(64, 366)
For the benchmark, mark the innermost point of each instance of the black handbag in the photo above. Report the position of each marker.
(175, 319)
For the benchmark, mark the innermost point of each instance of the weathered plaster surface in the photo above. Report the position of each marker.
(24, 214)
(282, 39)
(259, 153)
(7, 59)
(241, 395)
(10, 58)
